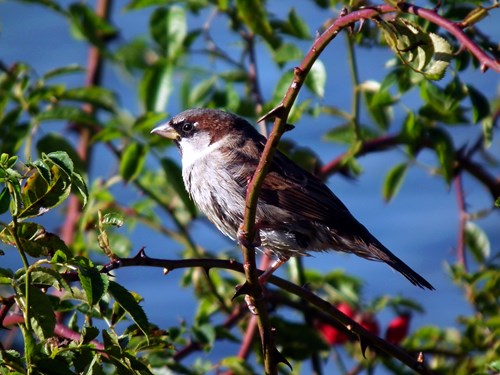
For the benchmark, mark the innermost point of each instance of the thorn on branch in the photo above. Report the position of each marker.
(141, 254)
(280, 358)
(277, 111)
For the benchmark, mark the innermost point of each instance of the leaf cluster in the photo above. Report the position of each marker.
(73, 155)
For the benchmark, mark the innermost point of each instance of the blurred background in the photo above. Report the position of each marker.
(419, 224)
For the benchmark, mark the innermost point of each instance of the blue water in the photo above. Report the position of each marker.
(420, 225)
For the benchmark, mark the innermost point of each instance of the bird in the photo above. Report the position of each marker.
(296, 215)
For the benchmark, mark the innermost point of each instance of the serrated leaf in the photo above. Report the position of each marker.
(61, 159)
(94, 283)
(113, 219)
(47, 277)
(53, 142)
(316, 79)
(127, 301)
(477, 242)
(393, 181)
(156, 86)
(425, 53)
(38, 196)
(35, 240)
(41, 314)
(78, 185)
(441, 58)
(132, 161)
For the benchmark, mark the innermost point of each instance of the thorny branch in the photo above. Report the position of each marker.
(281, 112)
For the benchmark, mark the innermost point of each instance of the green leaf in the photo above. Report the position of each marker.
(39, 196)
(156, 86)
(47, 277)
(127, 301)
(287, 52)
(425, 53)
(97, 96)
(298, 27)
(199, 93)
(316, 79)
(86, 24)
(253, 14)
(34, 240)
(132, 161)
(480, 105)
(114, 219)
(204, 334)
(379, 103)
(441, 58)
(69, 69)
(61, 159)
(53, 142)
(443, 146)
(168, 28)
(393, 181)
(67, 113)
(6, 276)
(94, 283)
(4, 200)
(41, 313)
(78, 185)
(477, 242)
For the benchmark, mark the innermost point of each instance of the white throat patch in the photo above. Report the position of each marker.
(196, 148)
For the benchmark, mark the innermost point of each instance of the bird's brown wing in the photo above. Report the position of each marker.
(291, 188)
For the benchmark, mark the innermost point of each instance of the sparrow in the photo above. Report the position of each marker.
(296, 212)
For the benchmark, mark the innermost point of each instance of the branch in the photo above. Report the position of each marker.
(463, 161)
(93, 78)
(454, 29)
(366, 338)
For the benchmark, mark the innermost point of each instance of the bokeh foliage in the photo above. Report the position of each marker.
(73, 317)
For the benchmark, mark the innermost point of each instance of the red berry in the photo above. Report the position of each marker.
(331, 334)
(346, 309)
(369, 322)
(398, 329)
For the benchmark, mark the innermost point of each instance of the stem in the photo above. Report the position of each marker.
(355, 330)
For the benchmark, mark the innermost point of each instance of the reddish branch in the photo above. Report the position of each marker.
(93, 78)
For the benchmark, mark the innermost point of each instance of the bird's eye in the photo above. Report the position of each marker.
(187, 127)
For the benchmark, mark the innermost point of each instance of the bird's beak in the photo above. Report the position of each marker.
(166, 131)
